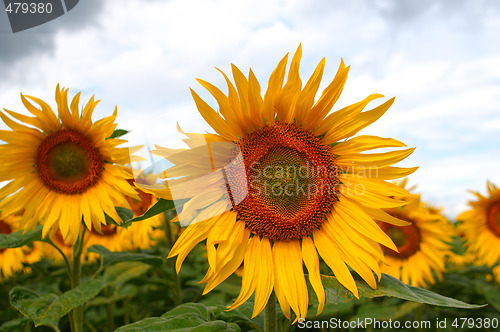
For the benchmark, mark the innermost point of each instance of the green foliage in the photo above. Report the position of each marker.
(162, 205)
(118, 133)
(124, 214)
(108, 257)
(15, 325)
(186, 317)
(17, 239)
(46, 309)
(135, 291)
(387, 286)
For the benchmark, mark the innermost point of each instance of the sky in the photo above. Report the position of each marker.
(440, 59)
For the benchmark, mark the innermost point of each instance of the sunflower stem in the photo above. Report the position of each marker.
(77, 313)
(177, 295)
(110, 309)
(270, 314)
(68, 265)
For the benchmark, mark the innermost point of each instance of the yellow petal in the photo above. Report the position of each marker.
(213, 119)
(329, 251)
(287, 258)
(310, 257)
(306, 97)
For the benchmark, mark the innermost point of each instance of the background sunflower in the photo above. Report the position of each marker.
(423, 247)
(480, 225)
(62, 169)
(11, 259)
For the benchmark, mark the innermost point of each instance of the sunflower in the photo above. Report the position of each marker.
(280, 182)
(480, 226)
(35, 251)
(62, 169)
(146, 232)
(459, 261)
(64, 245)
(423, 246)
(11, 259)
(111, 237)
(496, 273)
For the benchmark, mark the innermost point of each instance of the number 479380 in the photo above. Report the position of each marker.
(29, 7)
(472, 323)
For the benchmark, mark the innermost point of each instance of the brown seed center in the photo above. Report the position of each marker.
(4, 229)
(406, 238)
(107, 230)
(286, 182)
(493, 218)
(68, 162)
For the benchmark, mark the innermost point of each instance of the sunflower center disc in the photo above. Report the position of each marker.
(397, 236)
(4, 229)
(406, 238)
(493, 218)
(290, 182)
(68, 162)
(141, 205)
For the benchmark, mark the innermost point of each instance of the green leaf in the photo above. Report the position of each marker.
(160, 206)
(492, 296)
(122, 272)
(387, 286)
(124, 213)
(46, 309)
(17, 239)
(383, 311)
(109, 257)
(186, 317)
(15, 325)
(191, 309)
(118, 132)
(242, 315)
(180, 324)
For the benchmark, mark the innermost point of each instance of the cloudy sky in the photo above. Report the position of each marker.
(441, 59)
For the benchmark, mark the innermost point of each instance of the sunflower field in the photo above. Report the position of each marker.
(283, 218)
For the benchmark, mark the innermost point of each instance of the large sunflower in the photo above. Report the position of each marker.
(423, 246)
(480, 226)
(62, 169)
(279, 182)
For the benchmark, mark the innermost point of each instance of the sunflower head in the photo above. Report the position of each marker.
(62, 167)
(480, 225)
(423, 246)
(282, 180)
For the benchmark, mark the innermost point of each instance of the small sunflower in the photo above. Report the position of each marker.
(496, 273)
(146, 232)
(480, 226)
(459, 261)
(62, 168)
(112, 237)
(423, 246)
(35, 251)
(11, 259)
(280, 182)
(65, 246)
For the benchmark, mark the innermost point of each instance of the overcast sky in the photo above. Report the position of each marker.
(441, 59)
